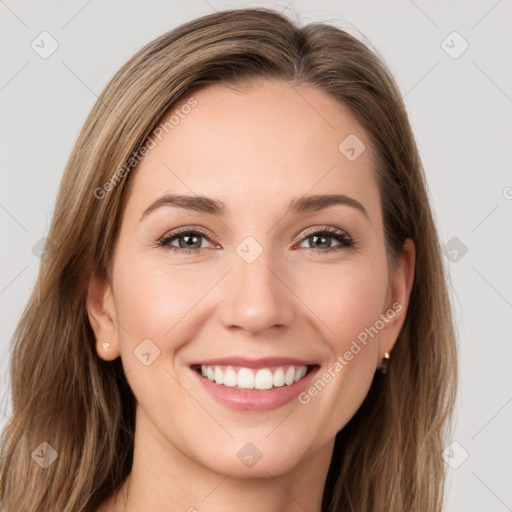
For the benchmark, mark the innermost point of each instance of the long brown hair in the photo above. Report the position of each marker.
(389, 455)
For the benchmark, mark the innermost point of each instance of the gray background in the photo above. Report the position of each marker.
(460, 109)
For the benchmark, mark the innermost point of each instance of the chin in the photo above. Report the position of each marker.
(256, 458)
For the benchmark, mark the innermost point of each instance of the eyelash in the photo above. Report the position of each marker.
(345, 240)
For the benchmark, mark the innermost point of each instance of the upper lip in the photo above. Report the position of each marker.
(246, 362)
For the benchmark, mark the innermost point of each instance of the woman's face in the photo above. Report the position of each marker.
(251, 291)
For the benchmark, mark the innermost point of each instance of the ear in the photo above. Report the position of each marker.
(399, 292)
(101, 311)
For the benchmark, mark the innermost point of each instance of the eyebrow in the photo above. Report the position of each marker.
(215, 207)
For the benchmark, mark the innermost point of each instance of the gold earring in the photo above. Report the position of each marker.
(384, 363)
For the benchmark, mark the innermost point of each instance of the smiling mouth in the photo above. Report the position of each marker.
(257, 379)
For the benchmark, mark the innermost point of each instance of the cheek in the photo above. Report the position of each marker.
(346, 297)
(156, 304)
(163, 302)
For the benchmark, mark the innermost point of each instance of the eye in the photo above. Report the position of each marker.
(189, 240)
(323, 239)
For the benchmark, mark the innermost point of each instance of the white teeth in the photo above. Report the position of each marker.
(263, 379)
(248, 378)
(289, 376)
(219, 376)
(278, 379)
(245, 378)
(230, 378)
(300, 373)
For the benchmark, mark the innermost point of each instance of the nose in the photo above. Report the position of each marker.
(258, 297)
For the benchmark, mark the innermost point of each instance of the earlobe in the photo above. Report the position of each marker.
(101, 313)
(400, 288)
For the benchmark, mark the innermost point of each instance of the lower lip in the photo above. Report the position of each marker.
(255, 400)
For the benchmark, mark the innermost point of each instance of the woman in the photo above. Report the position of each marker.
(188, 345)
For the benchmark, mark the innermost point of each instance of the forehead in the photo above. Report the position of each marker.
(260, 146)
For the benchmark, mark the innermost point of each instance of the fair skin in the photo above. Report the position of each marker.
(255, 151)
